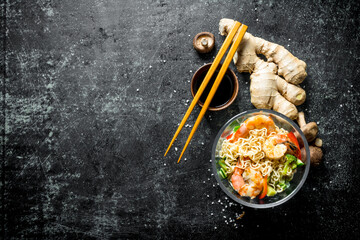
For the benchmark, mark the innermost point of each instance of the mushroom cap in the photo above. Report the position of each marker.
(316, 155)
(310, 131)
(204, 42)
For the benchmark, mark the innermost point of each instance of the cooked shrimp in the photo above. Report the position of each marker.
(248, 182)
(274, 146)
(254, 122)
(237, 179)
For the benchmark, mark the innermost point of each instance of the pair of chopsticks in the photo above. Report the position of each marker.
(239, 35)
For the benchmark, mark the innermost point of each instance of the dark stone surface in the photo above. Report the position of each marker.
(92, 91)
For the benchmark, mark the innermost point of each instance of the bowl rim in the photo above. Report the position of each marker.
(234, 78)
(266, 205)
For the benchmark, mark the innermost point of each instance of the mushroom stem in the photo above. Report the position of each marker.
(301, 119)
(204, 42)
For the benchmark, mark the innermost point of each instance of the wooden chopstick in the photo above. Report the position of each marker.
(216, 84)
(206, 80)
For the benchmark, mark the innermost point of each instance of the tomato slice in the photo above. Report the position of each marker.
(228, 137)
(293, 139)
(264, 191)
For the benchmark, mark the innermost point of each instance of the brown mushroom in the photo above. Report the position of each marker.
(204, 42)
(310, 130)
(316, 155)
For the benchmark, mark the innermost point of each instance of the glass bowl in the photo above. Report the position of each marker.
(298, 179)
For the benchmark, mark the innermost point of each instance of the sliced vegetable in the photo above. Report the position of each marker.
(228, 137)
(299, 162)
(222, 173)
(294, 140)
(234, 131)
(265, 187)
(284, 185)
(290, 158)
(270, 191)
(236, 128)
(222, 165)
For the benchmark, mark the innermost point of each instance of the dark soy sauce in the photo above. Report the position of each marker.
(223, 93)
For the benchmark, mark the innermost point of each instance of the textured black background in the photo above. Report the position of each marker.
(92, 92)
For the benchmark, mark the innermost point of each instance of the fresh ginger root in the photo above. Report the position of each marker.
(267, 89)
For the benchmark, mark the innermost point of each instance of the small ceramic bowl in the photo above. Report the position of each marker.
(232, 84)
